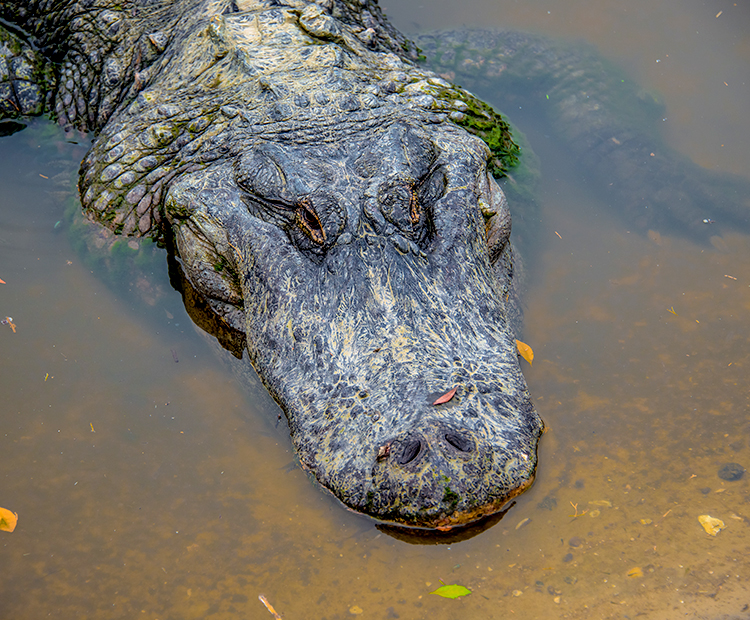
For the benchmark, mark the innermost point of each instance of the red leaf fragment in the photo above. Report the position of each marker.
(446, 397)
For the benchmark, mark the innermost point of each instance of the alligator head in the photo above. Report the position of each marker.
(324, 201)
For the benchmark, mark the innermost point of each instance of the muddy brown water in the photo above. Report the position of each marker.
(160, 489)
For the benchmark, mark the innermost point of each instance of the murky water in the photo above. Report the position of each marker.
(150, 483)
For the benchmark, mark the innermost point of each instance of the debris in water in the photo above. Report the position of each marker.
(731, 472)
(712, 525)
(269, 607)
(525, 351)
(451, 591)
(635, 572)
(522, 523)
(8, 520)
(8, 320)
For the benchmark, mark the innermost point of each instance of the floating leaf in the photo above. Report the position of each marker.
(8, 520)
(712, 525)
(445, 397)
(451, 591)
(525, 351)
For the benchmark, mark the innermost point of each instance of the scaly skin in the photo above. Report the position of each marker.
(324, 200)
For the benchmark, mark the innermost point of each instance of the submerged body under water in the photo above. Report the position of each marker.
(148, 481)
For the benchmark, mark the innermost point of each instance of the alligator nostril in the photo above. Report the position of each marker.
(409, 452)
(459, 442)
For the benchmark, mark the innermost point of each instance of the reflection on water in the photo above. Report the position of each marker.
(150, 483)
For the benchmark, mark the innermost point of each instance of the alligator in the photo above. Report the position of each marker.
(336, 202)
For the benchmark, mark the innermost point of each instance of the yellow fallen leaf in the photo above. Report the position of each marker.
(8, 520)
(712, 525)
(525, 351)
(635, 572)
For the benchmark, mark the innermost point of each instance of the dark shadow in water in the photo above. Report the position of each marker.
(422, 536)
(199, 309)
(8, 128)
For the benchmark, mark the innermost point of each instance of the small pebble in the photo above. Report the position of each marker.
(731, 472)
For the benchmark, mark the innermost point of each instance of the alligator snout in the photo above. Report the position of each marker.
(441, 474)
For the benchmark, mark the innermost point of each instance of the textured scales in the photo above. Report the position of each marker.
(325, 201)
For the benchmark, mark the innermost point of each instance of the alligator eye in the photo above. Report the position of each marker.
(309, 222)
(414, 207)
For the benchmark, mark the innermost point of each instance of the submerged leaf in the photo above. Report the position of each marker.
(636, 571)
(712, 525)
(525, 351)
(451, 591)
(445, 397)
(8, 520)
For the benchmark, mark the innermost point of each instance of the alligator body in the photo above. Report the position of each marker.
(329, 198)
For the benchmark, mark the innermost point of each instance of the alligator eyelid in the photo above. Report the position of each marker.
(427, 176)
(309, 221)
(416, 207)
